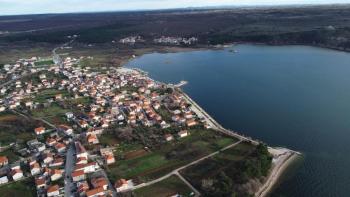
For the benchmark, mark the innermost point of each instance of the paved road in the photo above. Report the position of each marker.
(70, 161)
(176, 171)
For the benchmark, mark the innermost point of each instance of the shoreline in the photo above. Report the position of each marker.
(276, 173)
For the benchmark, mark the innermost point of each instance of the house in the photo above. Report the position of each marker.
(40, 130)
(83, 124)
(168, 137)
(53, 191)
(65, 129)
(35, 169)
(82, 187)
(3, 161)
(100, 182)
(40, 183)
(69, 115)
(109, 159)
(48, 158)
(57, 162)
(16, 174)
(60, 147)
(95, 192)
(80, 150)
(81, 160)
(4, 180)
(191, 122)
(88, 168)
(51, 141)
(78, 175)
(56, 174)
(182, 133)
(92, 139)
(123, 185)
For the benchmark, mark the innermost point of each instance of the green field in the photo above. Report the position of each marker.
(169, 156)
(44, 62)
(225, 172)
(53, 114)
(14, 128)
(168, 187)
(25, 188)
(42, 96)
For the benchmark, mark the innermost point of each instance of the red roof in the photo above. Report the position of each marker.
(94, 191)
(78, 173)
(52, 188)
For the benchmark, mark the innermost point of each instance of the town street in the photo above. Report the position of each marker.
(70, 162)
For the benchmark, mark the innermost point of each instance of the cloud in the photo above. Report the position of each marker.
(60, 6)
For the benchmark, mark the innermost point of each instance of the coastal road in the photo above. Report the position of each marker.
(176, 171)
(70, 162)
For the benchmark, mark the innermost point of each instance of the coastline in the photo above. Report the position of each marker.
(276, 173)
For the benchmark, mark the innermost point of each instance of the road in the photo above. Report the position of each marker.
(176, 171)
(70, 162)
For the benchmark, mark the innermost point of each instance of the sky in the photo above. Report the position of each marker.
(15, 7)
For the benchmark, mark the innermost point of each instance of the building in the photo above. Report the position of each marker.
(123, 185)
(78, 175)
(35, 169)
(182, 133)
(87, 168)
(95, 192)
(65, 129)
(53, 191)
(4, 180)
(40, 183)
(168, 137)
(16, 174)
(100, 182)
(3, 161)
(80, 150)
(40, 130)
(109, 159)
(56, 174)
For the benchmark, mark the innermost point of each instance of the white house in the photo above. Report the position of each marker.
(4, 180)
(16, 174)
(53, 191)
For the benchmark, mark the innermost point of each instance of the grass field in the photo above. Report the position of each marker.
(227, 161)
(45, 62)
(49, 93)
(169, 156)
(168, 187)
(14, 128)
(23, 188)
(53, 114)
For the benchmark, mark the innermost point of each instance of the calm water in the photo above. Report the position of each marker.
(292, 96)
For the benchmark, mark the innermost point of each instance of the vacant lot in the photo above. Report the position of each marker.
(53, 114)
(158, 162)
(228, 171)
(23, 188)
(168, 187)
(14, 128)
(49, 94)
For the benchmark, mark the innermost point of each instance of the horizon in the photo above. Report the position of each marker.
(33, 7)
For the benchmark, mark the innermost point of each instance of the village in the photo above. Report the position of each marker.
(69, 155)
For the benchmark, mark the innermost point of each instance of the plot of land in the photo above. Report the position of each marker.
(48, 94)
(23, 188)
(228, 161)
(54, 114)
(168, 187)
(169, 156)
(14, 128)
